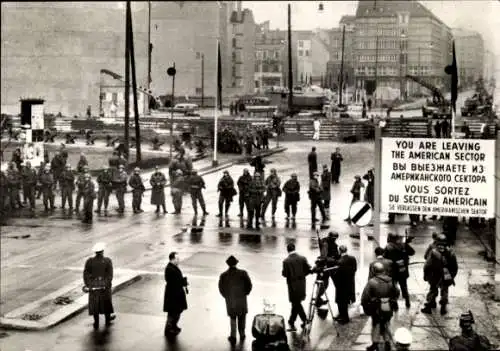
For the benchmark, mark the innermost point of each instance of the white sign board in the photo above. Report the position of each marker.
(37, 122)
(442, 177)
(33, 152)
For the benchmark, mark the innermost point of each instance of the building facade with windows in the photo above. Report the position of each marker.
(469, 47)
(396, 38)
(311, 54)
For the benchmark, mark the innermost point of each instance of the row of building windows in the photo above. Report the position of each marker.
(304, 53)
(393, 71)
(264, 67)
(267, 54)
(381, 58)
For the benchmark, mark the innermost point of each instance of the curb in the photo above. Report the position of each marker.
(211, 169)
(62, 314)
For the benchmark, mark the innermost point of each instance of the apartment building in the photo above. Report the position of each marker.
(396, 38)
(470, 51)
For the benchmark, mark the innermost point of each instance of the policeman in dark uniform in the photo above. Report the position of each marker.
(105, 183)
(196, 184)
(469, 340)
(29, 183)
(138, 188)
(48, 184)
(88, 198)
(315, 197)
(67, 187)
(243, 186)
(256, 196)
(226, 193)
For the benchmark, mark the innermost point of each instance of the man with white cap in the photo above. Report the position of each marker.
(402, 339)
(97, 277)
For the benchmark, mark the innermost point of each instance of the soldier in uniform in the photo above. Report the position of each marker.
(82, 163)
(177, 191)
(399, 253)
(330, 253)
(98, 277)
(29, 183)
(80, 180)
(120, 183)
(226, 192)
(67, 187)
(4, 192)
(243, 185)
(469, 340)
(273, 192)
(255, 197)
(38, 176)
(196, 184)
(158, 182)
(379, 257)
(315, 197)
(378, 299)
(138, 188)
(356, 192)
(431, 245)
(14, 181)
(326, 179)
(88, 198)
(105, 184)
(370, 187)
(292, 196)
(440, 270)
(48, 185)
(57, 166)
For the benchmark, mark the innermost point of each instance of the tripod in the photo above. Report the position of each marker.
(313, 308)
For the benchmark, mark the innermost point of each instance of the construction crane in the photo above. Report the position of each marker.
(439, 104)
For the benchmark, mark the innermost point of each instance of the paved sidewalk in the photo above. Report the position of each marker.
(432, 332)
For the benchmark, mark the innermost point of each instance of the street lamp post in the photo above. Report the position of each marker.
(202, 79)
(171, 71)
(401, 62)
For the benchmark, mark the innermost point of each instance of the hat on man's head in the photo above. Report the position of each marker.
(99, 247)
(333, 235)
(232, 261)
(466, 318)
(137, 169)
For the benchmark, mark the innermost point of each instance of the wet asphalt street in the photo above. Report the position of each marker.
(57, 248)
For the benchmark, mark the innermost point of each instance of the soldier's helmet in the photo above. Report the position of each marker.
(178, 172)
(137, 169)
(334, 235)
(294, 175)
(441, 239)
(378, 268)
(466, 319)
(194, 172)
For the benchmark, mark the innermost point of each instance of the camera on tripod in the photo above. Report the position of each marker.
(323, 265)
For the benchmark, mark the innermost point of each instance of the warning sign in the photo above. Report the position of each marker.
(442, 177)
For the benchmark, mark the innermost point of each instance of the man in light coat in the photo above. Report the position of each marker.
(235, 285)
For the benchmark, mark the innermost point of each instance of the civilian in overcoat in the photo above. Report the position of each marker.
(174, 301)
(235, 285)
(344, 280)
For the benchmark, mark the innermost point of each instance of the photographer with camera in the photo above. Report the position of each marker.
(328, 260)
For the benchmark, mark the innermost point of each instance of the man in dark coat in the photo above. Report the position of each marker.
(450, 226)
(138, 188)
(29, 183)
(235, 285)
(97, 277)
(292, 196)
(295, 270)
(48, 184)
(255, 197)
(80, 180)
(379, 257)
(431, 245)
(226, 192)
(356, 193)
(105, 187)
(326, 179)
(312, 160)
(378, 299)
(258, 164)
(67, 187)
(437, 129)
(174, 301)
(440, 270)
(120, 185)
(344, 280)
(196, 184)
(399, 253)
(336, 159)
(243, 186)
(158, 181)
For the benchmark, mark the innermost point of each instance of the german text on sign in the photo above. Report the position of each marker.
(443, 177)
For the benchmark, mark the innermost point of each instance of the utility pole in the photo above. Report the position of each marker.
(202, 79)
(127, 79)
(150, 49)
(342, 67)
(134, 87)
(290, 72)
(171, 72)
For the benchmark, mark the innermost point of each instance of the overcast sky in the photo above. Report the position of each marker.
(480, 15)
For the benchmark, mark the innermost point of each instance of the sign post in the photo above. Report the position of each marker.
(446, 177)
(377, 186)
